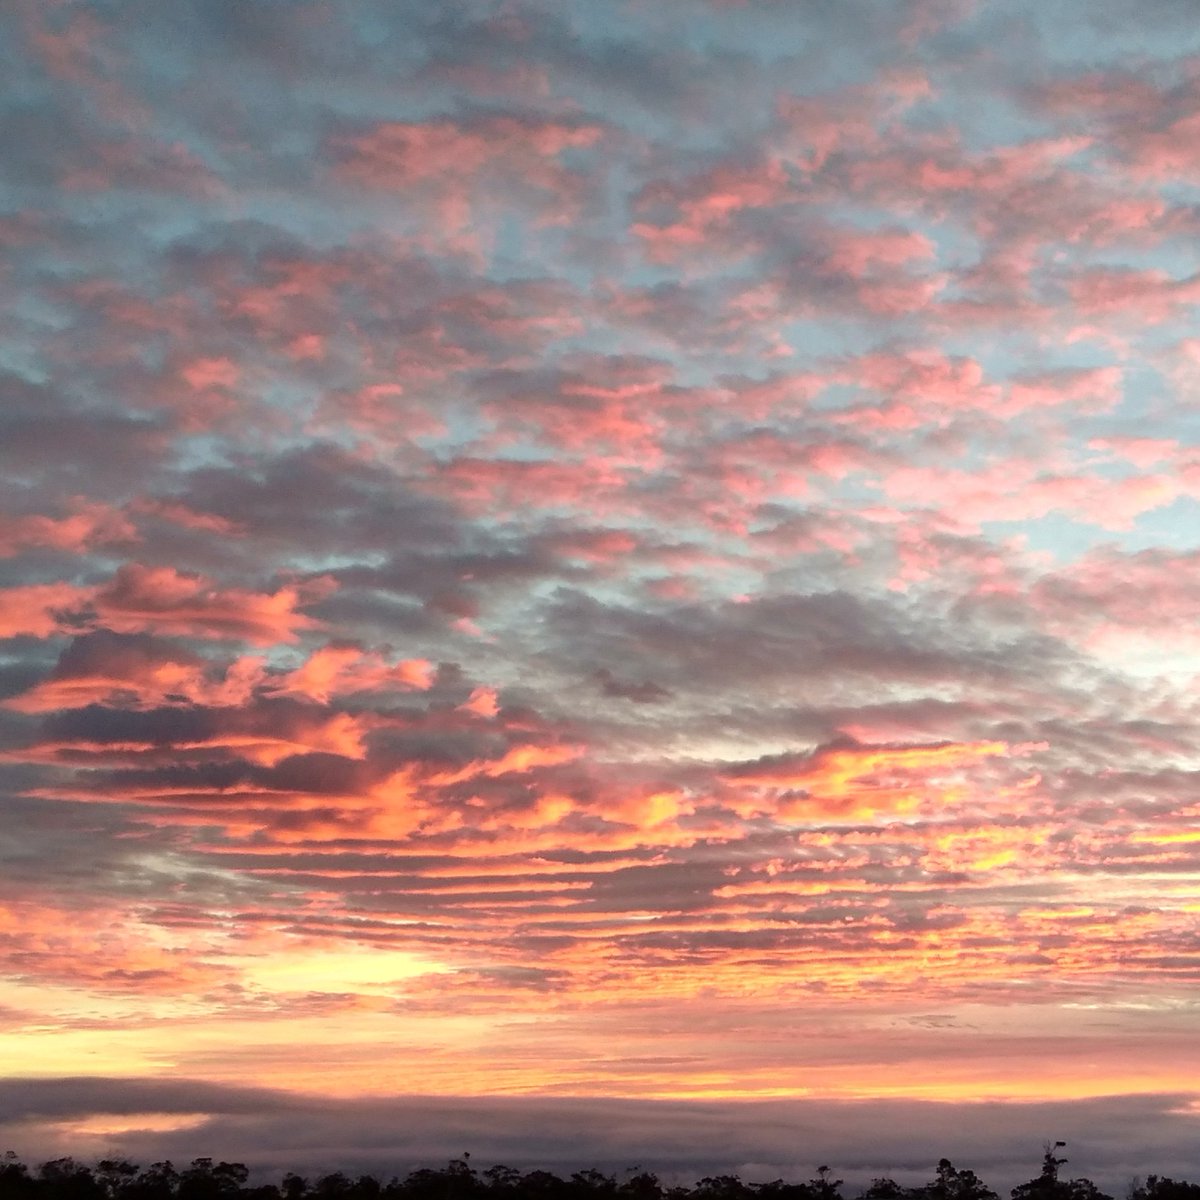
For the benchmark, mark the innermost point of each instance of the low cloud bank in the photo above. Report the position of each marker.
(1111, 1140)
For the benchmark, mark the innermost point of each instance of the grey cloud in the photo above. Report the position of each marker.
(83, 447)
(645, 691)
(1109, 1139)
(806, 635)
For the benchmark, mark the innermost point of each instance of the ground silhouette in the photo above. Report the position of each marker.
(203, 1179)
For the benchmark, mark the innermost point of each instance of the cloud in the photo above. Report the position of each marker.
(452, 164)
(645, 557)
(681, 1140)
(859, 781)
(138, 599)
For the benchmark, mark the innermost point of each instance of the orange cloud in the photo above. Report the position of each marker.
(165, 601)
(345, 670)
(860, 781)
(38, 609)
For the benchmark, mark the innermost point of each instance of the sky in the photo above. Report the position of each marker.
(601, 579)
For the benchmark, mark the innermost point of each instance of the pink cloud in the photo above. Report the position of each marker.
(860, 253)
(168, 602)
(1109, 597)
(177, 513)
(142, 163)
(916, 387)
(39, 609)
(645, 452)
(346, 670)
(136, 675)
(102, 947)
(449, 164)
(1021, 489)
(701, 208)
(383, 410)
(482, 702)
(1150, 126)
(90, 524)
(977, 566)
(514, 484)
(1148, 296)
(79, 49)
(853, 120)
(1142, 452)
(204, 373)
(618, 409)
(1085, 390)
(164, 601)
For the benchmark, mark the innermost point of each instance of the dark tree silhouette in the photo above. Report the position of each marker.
(952, 1184)
(641, 1186)
(119, 1179)
(1048, 1186)
(721, 1187)
(15, 1181)
(1156, 1188)
(777, 1189)
(884, 1189)
(823, 1186)
(69, 1180)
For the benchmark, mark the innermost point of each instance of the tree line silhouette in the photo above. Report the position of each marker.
(119, 1179)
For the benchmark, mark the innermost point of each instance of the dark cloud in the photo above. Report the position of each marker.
(645, 692)
(1111, 1140)
(84, 447)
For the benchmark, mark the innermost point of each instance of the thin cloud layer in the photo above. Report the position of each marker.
(1112, 1140)
(558, 551)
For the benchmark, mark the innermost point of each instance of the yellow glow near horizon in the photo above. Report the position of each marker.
(355, 969)
(114, 1125)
